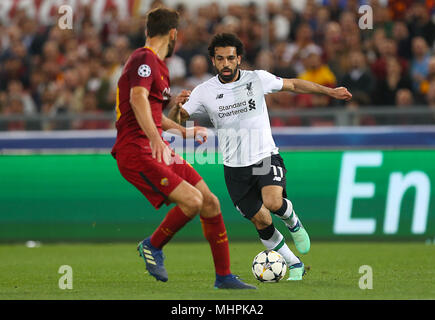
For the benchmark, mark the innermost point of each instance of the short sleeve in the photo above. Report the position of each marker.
(194, 104)
(270, 82)
(142, 71)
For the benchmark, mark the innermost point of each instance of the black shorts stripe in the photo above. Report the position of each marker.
(155, 189)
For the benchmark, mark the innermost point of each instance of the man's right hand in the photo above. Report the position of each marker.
(161, 151)
(182, 97)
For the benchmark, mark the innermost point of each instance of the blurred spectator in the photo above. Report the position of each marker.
(358, 79)
(304, 38)
(430, 96)
(177, 73)
(385, 93)
(13, 68)
(265, 61)
(373, 45)
(398, 8)
(424, 85)
(190, 45)
(334, 49)
(318, 72)
(388, 49)
(350, 31)
(75, 87)
(280, 67)
(15, 89)
(199, 70)
(99, 84)
(403, 40)
(420, 23)
(381, 17)
(90, 104)
(112, 70)
(335, 9)
(404, 98)
(14, 106)
(37, 87)
(315, 69)
(420, 61)
(54, 107)
(278, 22)
(323, 16)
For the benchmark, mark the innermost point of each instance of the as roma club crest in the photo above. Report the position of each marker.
(164, 182)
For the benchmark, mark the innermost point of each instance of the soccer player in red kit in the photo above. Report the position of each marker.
(146, 160)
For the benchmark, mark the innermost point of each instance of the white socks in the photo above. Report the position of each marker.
(289, 217)
(277, 243)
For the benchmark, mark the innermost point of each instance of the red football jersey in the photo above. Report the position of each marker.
(145, 69)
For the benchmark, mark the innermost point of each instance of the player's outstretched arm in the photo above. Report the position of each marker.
(304, 86)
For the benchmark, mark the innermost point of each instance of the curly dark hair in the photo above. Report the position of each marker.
(225, 40)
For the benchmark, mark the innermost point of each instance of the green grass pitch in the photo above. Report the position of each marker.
(114, 271)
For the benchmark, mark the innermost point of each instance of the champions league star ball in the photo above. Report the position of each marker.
(269, 266)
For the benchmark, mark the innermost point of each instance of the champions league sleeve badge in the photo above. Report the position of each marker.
(144, 71)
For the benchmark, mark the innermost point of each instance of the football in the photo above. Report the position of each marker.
(269, 266)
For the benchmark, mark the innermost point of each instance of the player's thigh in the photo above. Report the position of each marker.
(159, 182)
(155, 180)
(185, 170)
(262, 218)
(272, 196)
(211, 205)
(273, 184)
(188, 198)
(250, 203)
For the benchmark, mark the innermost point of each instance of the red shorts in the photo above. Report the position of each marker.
(155, 180)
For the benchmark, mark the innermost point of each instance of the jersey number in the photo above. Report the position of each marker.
(275, 171)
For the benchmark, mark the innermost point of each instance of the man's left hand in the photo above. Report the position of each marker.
(341, 93)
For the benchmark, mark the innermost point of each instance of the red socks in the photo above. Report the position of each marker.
(213, 229)
(216, 234)
(174, 221)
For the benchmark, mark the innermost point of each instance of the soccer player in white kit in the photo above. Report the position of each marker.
(254, 170)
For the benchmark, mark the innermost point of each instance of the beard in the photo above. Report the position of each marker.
(171, 47)
(228, 77)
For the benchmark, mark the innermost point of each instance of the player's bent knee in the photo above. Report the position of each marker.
(190, 201)
(262, 219)
(273, 203)
(260, 224)
(191, 207)
(211, 204)
(195, 203)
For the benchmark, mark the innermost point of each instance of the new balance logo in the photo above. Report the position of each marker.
(220, 96)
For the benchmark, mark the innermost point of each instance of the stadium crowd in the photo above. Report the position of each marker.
(49, 71)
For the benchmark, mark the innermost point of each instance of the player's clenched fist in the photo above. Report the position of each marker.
(200, 134)
(341, 93)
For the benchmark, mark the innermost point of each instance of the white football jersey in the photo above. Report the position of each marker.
(239, 113)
